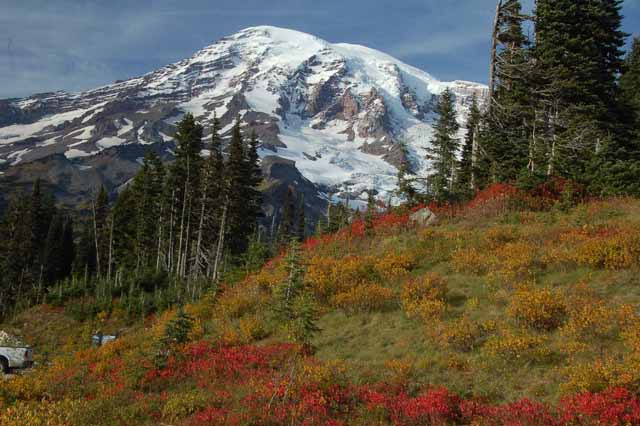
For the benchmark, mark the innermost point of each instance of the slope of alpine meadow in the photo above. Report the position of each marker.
(514, 309)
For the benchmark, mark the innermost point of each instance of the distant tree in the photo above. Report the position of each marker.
(301, 225)
(54, 256)
(295, 307)
(370, 213)
(287, 226)
(466, 177)
(443, 151)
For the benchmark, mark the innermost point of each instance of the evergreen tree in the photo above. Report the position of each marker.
(630, 81)
(123, 243)
(85, 259)
(578, 53)
(146, 202)
(16, 246)
(68, 247)
(213, 196)
(54, 256)
(406, 190)
(466, 176)
(370, 213)
(287, 226)
(254, 175)
(100, 231)
(301, 226)
(443, 151)
(507, 124)
(242, 198)
(183, 195)
(42, 211)
(295, 307)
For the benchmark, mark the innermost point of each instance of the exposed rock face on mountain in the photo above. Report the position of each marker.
(338, 111)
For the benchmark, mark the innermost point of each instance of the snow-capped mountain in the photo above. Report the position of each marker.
(341, 112)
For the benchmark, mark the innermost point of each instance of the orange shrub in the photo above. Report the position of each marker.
(539, 309)
(465, 335)
(469, 260)
(596, 320)
(424, 296)
(270, 277)
(514, 261)
(521, 346)
(619, 251)
(498, 236)
(394, 265)
(328, 276)
(364, 298)
(598, 375)
(238, 301)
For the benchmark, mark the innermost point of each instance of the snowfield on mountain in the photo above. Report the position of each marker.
(342, 112)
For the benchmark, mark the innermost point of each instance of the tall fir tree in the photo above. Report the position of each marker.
(578, 53)
(630, 81)
(54, 256)
(466, 178)
(504, 140)
(254, 175)
(183, 193)
(68, 247)
(240, 225)
(301, 223)
(214, 194)
(146, 191)
(100, 231)
(443, 151)
(286, 229)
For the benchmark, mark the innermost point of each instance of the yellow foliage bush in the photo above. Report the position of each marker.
(393, 266)
(465, 335)
(251, 328)
(514, 261)
(324, 374)
(618, 251)
(268, 278)
(424, 296)
(181, 405)
(596, 320)
(240, 300)
(598, 375)
(539, 309)
(469, 260)
(399, 370)
(429, 310)
(514, 346)
(52, 413)
(498, 236)
(364, 298)
(328, 276)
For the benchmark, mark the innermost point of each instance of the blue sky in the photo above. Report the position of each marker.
(48, 45)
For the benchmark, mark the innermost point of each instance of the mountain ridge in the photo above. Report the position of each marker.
(343, 113)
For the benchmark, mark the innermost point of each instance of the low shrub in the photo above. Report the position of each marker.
(539, 309)
(364, 298)
(424, 296)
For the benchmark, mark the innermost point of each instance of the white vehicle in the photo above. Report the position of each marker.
(13, 358)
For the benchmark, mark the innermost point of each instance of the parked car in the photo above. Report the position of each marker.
(14, 358)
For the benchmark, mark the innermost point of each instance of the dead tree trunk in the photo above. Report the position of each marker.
(95, 238)
(494, 52)
(223, 225)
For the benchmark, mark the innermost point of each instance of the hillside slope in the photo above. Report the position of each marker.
(450, 324)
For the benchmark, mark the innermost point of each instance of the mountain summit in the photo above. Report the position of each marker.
(345, 114)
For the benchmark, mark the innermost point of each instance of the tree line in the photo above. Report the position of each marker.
(563, 102)
(179, 225)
